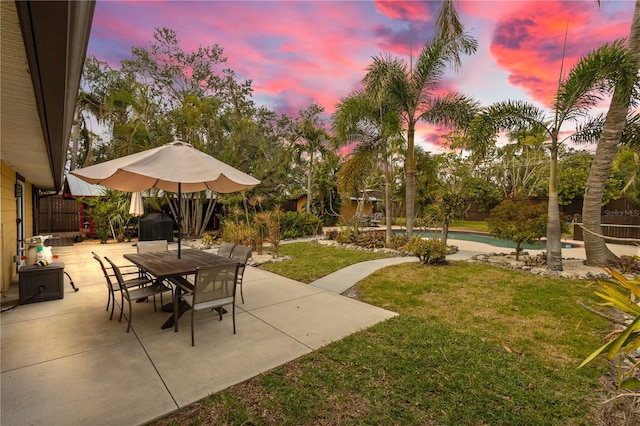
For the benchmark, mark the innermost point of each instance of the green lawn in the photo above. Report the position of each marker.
(312, 261)
(470, 225)
(473, 345)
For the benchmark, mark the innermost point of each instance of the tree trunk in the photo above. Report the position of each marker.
(554, 232)
(445, 231)
(75, 139)
(596, 249)
(387, 203)
(309, 183)
(410, 178)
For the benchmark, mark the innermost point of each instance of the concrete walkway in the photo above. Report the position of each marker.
(342, 280)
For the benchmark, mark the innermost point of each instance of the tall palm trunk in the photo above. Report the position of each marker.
(596, 249)
(387, 201)
(309, 183)
(75, 139)
(554, 232)
(410, 178)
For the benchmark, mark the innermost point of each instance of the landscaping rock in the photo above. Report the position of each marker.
(574, 269)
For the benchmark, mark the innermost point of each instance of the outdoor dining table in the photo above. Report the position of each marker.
(166, 265)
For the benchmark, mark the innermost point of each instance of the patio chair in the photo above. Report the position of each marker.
(149, 246)
(242, 255)
(214, 288)
(137, 294)
(112, 286)
(363, 220)
(226, 249)
(376, 219)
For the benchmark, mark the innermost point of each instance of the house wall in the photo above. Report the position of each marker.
(8, 226)
(347, 211)
(301, 204)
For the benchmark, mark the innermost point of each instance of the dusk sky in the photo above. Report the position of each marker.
(300, 52)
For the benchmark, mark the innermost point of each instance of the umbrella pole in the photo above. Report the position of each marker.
(179, 219)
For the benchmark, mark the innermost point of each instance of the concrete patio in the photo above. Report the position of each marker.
(64, 363)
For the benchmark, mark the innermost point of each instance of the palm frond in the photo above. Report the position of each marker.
(510, 116)
(452, 110)
(430, 66)
(589, 131)
(382, 70)
(450, 28)
(597, 73)
(631, 132)
(353, 172)
(350, 111)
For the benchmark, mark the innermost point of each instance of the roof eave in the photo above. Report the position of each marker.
(56, 36)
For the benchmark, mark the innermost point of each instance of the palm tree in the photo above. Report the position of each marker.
(311, 133)
(371, 121)
(410, 90)
(593, 76)
(596, 249)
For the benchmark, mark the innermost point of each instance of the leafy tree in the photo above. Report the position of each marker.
(526, 163)
(427, 183)
(587, 82)
(627, 168)
(170, 73)
(518, 221)
(110, 213)
(573, 171)
(162, 92)
(312, 138)
(457, 182)
(327, 198)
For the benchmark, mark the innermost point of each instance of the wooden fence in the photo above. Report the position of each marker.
(57, 214)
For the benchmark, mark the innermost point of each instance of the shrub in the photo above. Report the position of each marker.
(370, 240)
(622, 294)
(332, 234)
(299, 225)
(261, 223)
(519, 221)
(238, 233)
(429, 251)
(346, 237)
(100, 211)
(207, 239)
(399, 241)
(626, 264)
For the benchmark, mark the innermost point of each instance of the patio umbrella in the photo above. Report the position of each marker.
(174, 167)
(136, 207)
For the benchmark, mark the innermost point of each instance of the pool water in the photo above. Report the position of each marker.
(486, 239)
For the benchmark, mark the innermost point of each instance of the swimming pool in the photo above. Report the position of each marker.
(484, 238)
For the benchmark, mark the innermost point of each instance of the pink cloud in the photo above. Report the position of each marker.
(300, 52)
(487, 9)
(404, 10)
(529, 44)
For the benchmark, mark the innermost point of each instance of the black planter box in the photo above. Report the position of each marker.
(40, 283)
